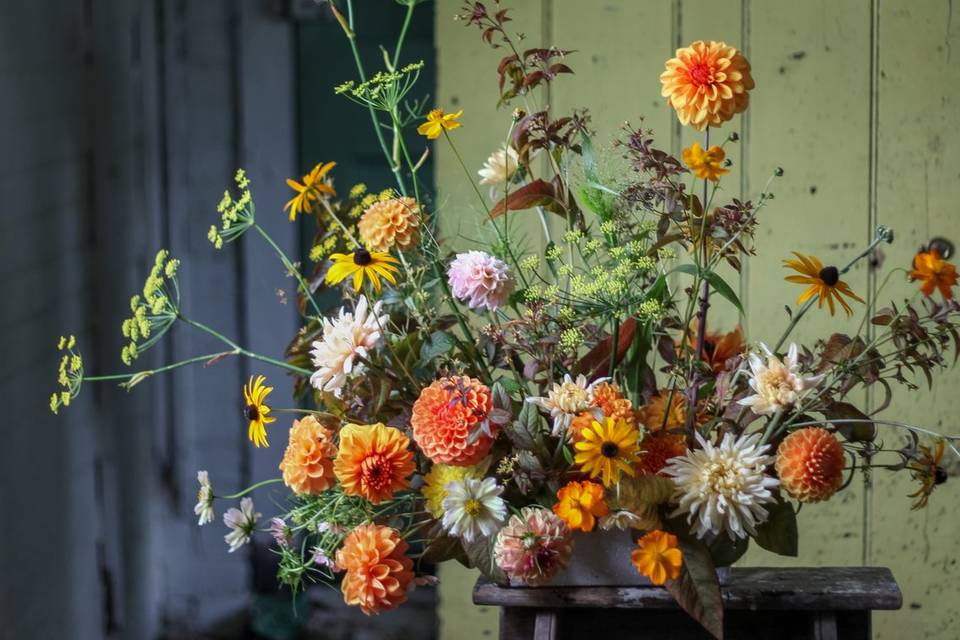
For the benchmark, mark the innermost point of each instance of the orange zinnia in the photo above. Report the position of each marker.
(810, 464)
(934, 273)
(374, 461)
(825, 283)
(579, 504)
(658, 557)
(307, 464)
(378, 571)
(707, 83)
(450, 421)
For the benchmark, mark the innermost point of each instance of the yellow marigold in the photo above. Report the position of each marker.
(374, 461)
(606, 449)
(658, 557)
(579, 504)
(655, 415)
(707, 83)
(656, 449)
(391, 224)
(437, 122)
(307, 463)
(810, 464)
(435, 484)
(705, 163)
(378, 571)
(450, 421)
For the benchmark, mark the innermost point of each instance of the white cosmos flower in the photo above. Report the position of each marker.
(500, 166)
(349, 336)
(778, 384)
(724, 488)
(473, 508)
(568, 399)
(241, 522)
(204, 506)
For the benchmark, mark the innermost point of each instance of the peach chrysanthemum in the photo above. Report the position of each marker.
(810, 464)
(534, 546)
(707, 83)
(656, 449)
(451, 421)
(378, 571)
(655, 416)
(391, 224)
(307, 463)
(374, 461)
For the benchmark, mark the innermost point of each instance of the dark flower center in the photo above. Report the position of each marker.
(253, 413)
(829, 275)
(362, 257)
(940, 475)
(609, 449)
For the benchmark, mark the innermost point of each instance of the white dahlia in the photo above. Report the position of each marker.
(568, 399)
(500, 166)
(724, 488)
(349, 336)
(778, 384)
(473, 508)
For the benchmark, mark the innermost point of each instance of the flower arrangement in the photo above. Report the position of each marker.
(484, 405)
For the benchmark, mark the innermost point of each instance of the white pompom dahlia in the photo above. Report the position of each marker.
(349, 336)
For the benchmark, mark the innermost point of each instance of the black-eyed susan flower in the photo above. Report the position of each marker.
(362, 264)
(315, 186)
(257, 411)
(606, 448)
(825, 283)
(437, 122)
(934, 272)
(706, 164)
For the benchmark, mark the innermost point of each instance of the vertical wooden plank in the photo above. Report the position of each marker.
(918, 190)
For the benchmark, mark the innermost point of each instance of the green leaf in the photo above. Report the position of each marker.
(480, 553)
(853, 431)
(439, 343)
(697, 589)
(522, 431)
(725, 551)
(719, 284)
(443, 548)
(779, 533)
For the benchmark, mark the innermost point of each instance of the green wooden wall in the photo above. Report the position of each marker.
(858, 101)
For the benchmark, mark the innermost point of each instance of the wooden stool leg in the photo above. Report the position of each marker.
(824, 625)
(545, 627)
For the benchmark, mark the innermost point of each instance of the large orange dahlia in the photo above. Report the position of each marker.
(374, 461)
(378, 571)
(810, 464)
(307, 463)
(707, 83)
(391, 224)
(446, 414)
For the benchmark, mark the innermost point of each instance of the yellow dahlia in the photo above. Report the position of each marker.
(374, 461)
(307, 463)
(707, 83)
(658, 557)
(378, 571)
(606, 449)
(391, 224)
(810, 464)
(451, 421)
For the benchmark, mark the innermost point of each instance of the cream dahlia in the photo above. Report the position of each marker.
(480, 280)
(500, 166)
(778, 384)
(566, 400)
(351, 335)
(707, 83)
(725, 487)
(810, 464)
(534, 546)
(390, 224)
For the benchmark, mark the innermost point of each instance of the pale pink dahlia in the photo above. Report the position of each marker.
(480, 280)
(534, 546)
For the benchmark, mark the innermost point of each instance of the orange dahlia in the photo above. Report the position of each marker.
(810, 464)
(579, 504)
(656, 449)
(450, 421)
(374, 461)
(655, 415)
(707, 83)
(307, 463)
(609, 398)
(378, 570)
(390, 224)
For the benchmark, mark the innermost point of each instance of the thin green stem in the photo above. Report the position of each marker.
(149, 372)
(244, 352)
(290, 268)
(403, 35)
(251, 488)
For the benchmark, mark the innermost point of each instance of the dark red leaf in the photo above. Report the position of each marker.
(597, 362)
(534, 194)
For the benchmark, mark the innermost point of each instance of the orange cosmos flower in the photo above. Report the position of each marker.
(307, 464)
(718, 348)
(707, 83)
(658, 557)
(705, 164)
(450, 421)
(656, 449)
(374, 461)
(810, 464)
(579, 504)
(378, 571)
(438, 122)
(825, 282)
(934, 273)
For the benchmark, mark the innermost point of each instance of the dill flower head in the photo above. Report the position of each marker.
(606, 449)
(438, 122)
(391, 224)
(69, 374)
(707, 83)
(316, 185)
(725, 487)
(566, 400)
(378, 571)
(473, 508)
(347, 338)
(706, 164)
(500, 167)
(579, 504)
(658, 557)
(825, 283)
(777, 384)
(155, 311)
(480, 280)
(307, 463)
(360, 265)
(810, 464)
(373, 461)
(933, 272)
(435, 484)
(256, 410)
(534, 546)
(451, 422)
(236, 215)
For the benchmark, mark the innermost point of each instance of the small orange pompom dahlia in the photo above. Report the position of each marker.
(810, 464)
(609, 398)
(307, 463)
(374, 461)
(446, 414)
(707, 83)
(656, 449)
(579, 504)
(390, 224)
(378, 572)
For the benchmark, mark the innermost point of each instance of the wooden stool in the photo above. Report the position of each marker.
(826, 603)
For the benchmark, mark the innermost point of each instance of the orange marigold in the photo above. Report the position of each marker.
(707, 83)
(810, 464)
(374, 461)
(579, 504)
(446, 414)
(652, 415)
(391, 224)
(307, 463)
(378, 571)
(934, 273)
(658, 557)
(656, 449)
